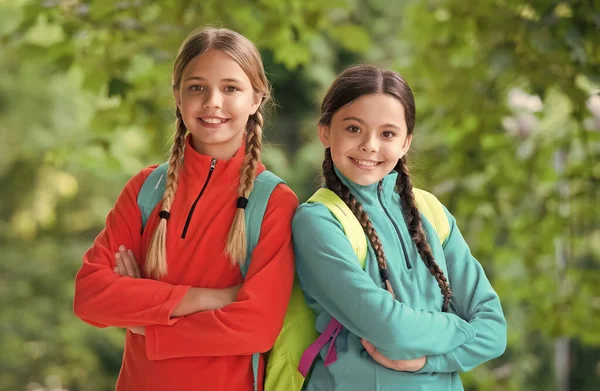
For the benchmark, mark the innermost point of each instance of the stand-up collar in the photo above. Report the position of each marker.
(197, 164)
(369, 194)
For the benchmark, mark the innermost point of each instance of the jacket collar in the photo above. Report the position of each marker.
(198, 165)
(370, 194)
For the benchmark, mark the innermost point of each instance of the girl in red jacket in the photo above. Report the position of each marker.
(176, 285)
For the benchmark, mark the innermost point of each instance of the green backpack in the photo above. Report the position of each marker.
(299, 343)
(152, 192)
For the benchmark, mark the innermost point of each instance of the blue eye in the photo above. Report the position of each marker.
(353, 129)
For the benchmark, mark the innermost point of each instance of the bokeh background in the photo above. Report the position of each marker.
(507, 136)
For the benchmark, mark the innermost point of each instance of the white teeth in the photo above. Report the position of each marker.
(365, 163)
(213, 120)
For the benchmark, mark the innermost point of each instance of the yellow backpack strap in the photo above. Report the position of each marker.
(344, 215)
(432, 208)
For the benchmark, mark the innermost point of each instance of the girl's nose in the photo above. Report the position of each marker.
(213, 100)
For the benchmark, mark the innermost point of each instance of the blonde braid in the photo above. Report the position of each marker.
(236, 240)
(156, 259)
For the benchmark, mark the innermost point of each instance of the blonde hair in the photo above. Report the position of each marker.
(245, 53)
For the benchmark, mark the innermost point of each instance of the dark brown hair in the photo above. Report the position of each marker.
(350, 85)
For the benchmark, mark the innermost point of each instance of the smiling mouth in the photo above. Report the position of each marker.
(213, 120)
(366, 164)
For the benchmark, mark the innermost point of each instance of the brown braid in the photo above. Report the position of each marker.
(156, 259)
(333, 183)
(415, 228)
(351, 84)
(236, 240)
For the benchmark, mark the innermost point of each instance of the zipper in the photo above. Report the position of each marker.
(213, 163)
(379, 191)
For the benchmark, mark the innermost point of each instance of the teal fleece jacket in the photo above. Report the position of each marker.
(412, 325)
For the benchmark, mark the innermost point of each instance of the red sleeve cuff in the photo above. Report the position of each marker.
(175, 298)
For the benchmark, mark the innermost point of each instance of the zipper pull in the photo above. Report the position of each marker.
(380, 186)
(213, 163)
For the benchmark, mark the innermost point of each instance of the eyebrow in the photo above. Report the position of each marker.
(388, 125)
(228, 80)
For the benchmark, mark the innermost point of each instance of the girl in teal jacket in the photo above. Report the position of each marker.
(421, 311)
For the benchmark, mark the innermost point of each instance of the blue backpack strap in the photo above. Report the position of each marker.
(152, 191)
(264, 184)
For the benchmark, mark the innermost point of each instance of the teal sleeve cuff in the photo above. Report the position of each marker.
(427, 368)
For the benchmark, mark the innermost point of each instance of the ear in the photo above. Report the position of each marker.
(177, 96)
(324, 133)
(406, 144)
(257, 99)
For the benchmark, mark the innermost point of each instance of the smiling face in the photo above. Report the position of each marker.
(367, 137)
(215, 98)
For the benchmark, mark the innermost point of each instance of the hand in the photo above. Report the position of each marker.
(126, 263)
(138, 330)
(397, 365)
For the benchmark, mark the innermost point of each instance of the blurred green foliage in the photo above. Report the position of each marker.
(504, 90)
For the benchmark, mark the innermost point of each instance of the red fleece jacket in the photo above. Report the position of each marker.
(208, 350)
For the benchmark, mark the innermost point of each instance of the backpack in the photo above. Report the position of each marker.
(299, 343)
(152, 192)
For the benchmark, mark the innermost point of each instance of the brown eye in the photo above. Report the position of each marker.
(196, 88)
(231, 89)
(353, 129)
(388, 134)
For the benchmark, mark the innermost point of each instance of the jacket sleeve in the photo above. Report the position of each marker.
(252, 323)
(105, 298)
(331, 278)
(476, 301)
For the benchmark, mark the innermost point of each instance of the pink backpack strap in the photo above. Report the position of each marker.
(310, 354)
